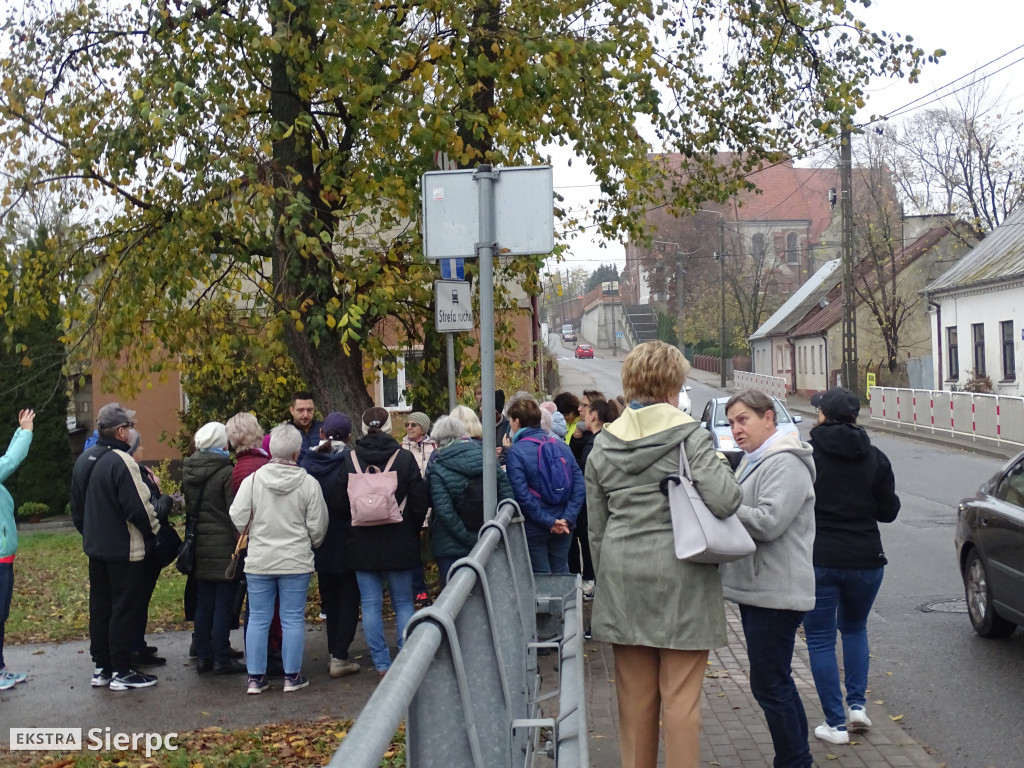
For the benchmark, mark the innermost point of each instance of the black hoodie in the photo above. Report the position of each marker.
(393, 547)
(855, 490)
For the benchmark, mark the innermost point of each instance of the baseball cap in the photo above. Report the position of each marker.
(837, 403)
(114, 415)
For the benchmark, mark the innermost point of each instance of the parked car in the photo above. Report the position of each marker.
(990, 548)
(684, 398)
(584, 350)
(569, 336)
(714, 420)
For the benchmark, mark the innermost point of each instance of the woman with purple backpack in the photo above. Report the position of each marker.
(548, 486)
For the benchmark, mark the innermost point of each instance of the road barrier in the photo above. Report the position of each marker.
(467, 679)
(999, 418)
(770, 385)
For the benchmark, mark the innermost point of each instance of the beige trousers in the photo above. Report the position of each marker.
(659, 685)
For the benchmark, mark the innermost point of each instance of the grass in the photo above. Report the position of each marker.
(281, 745)
(51, 592)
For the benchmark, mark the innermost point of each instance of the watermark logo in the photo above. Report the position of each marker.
(96, 740)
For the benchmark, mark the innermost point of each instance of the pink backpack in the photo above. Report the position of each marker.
(371, 494)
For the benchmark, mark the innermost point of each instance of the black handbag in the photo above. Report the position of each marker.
(186, 562)
(168, 545)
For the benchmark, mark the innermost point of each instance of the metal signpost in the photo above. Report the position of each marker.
(459, 222)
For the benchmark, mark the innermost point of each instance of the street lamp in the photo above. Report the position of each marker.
(721, 268)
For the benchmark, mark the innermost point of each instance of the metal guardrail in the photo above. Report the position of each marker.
(467, 677)
(980, 416)
(770, 385)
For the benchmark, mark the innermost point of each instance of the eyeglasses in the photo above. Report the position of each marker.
(128, 425)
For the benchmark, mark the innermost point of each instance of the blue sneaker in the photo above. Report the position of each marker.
(6, 682)
(18, 677)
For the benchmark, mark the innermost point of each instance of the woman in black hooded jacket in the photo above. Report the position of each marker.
(389, 552)
(855, 491)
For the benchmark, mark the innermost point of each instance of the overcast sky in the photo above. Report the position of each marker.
(972, 34)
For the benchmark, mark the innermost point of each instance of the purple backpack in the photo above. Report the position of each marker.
(554, 473)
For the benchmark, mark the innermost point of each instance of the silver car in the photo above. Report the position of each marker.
(714, 420)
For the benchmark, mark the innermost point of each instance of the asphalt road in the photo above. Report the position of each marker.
(958, 694)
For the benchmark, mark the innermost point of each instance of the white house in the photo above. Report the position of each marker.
(976, 312)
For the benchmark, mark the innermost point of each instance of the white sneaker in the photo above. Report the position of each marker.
(588, 589)
(837, 735)
(859, 720)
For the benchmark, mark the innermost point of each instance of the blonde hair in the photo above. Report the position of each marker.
(244, 432)
(469, 420)
(653, 371)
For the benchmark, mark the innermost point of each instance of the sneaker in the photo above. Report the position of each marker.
(588, 589)
(294, 682)
(422, 599)
(343, 667)
(859, 720)
(7, 682)
(100, 678)
(586, 634)
(17, 677)
(837, 735)
(131, 679)
(257, 685)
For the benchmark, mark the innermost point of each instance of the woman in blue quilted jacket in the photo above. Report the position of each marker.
(549, 522)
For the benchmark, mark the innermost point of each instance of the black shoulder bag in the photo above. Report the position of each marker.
(186, 562)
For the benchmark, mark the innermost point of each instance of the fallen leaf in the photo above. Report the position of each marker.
(895, 718)
(879, 702)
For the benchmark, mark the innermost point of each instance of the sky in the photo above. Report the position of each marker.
(972, 35)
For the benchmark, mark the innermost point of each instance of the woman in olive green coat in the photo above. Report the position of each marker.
(661, 614)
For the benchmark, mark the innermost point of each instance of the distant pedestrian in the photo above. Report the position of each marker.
(110, 507)
(16, 453)
(774, 586)
(282, 508)
(854, 491)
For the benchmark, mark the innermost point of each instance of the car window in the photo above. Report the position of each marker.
(782, 414)
(721, 420)
(1011, 485)
(706, 415)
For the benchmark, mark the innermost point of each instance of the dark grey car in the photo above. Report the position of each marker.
(990, 548)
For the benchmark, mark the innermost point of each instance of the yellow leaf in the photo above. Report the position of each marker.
(895, 718)
(299, 325)
(331, 322)
(26, 362)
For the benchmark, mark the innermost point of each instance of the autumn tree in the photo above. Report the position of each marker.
(261, 160)
(965, 158)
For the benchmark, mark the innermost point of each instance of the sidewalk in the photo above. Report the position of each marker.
(735, 734)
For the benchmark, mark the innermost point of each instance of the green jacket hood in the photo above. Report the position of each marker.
(640, 436)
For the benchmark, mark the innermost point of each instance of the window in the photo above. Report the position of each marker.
(1009, 360)
(1011, 486)
(978, 339)
(757, 243)
(821, 357)
(792, 248)
(954, 355)
(393, 383)
(811, 350)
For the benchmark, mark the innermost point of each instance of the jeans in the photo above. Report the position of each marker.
(444, 564)
(371, 597)
(6, 593)
(770, 634)
(549, 552)
(339, 597)
(290, 592)
(844, 600)
(215, 601)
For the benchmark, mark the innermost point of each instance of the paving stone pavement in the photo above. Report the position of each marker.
(735, 734)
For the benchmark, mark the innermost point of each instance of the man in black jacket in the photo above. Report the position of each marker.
(110, 506)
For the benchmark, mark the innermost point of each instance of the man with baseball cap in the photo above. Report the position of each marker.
(110, 506)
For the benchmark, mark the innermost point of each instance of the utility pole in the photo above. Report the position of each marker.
(721, 330)
(850, 365)
(681, 299)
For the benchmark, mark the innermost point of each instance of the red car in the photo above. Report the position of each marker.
(584, 350)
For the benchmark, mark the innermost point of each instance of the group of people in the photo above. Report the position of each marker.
(587, 473)
(813, 512)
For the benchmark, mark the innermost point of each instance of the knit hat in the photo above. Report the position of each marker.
(337, 426)
(377, 419)
(212, 435)
(549, 407)
(416, 417)
(114, 415)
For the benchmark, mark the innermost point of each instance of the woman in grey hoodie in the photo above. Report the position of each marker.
(774, 586)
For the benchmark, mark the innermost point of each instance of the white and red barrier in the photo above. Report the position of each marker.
(979, 416)
(770, 385)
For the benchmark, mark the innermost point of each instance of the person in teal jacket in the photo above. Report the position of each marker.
(16, 453)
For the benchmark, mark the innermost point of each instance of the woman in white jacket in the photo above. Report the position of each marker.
(284, 509)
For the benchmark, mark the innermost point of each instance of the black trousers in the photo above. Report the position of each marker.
(118, 596)
(339, 598)
(152, 576)
(579, 553)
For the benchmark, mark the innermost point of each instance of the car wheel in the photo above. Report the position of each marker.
(984, 619)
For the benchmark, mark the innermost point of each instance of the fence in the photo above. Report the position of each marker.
(467, 676)
(770, 385)
(987, 417)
